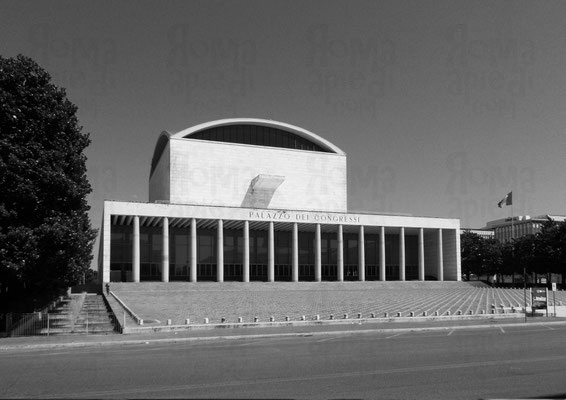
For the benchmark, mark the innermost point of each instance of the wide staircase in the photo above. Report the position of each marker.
(157, 302)
(93, 318)
(59, 320)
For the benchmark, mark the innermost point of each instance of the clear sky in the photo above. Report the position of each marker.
(442, 106)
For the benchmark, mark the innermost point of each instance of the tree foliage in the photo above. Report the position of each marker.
(480, 256)
(45, 235)
(541, 253)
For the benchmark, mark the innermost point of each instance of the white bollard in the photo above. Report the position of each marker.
(398, 314)
(206, 320)
(424, 313)
(271, 319)
(317, 317)
(287, 318)
(240, 319)
(412, 314)
(168, 322)
(187, 321)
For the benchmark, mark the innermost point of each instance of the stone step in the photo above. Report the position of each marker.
(98, 325)
(77, 330)
(94, 329)
(104, 320)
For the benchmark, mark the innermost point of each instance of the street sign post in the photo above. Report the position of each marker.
(540, 299)
(554, 297)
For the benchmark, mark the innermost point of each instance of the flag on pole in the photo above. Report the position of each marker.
(506, 201)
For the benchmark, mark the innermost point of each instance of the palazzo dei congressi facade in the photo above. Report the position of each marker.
(258, 200)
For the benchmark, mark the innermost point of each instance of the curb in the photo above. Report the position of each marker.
(267, 335)
(235, 325)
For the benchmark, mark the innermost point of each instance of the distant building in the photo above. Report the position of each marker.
(514, 227)
(484, 233)
(248, 199)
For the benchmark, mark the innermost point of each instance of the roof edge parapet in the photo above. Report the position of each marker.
(330, 147)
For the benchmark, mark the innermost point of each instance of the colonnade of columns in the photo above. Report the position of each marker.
(294, 252)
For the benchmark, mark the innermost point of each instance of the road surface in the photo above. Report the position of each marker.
(506, 362)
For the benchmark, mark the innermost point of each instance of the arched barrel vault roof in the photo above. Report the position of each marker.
(187, 133)
(159, 147)
(325, 144)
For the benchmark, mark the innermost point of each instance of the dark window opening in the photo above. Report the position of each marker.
(257, 135)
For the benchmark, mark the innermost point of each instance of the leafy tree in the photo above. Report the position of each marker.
(550, 252)
(472, 256)
(480, 256)
(493, 256)
(524, 259)
(45, 235)
(560, 250)
(508, 260)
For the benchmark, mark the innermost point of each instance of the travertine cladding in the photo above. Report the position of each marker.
(451, 242)
(219, 174)
(305, 220)
(431, 253)
(159, 182)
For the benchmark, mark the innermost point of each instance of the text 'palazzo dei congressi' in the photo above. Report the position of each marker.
(258, 200)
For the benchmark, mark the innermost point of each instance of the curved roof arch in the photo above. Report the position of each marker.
(323, 143)
(165, 136)
(162, 142)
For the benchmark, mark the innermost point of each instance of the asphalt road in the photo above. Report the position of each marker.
(507, 362)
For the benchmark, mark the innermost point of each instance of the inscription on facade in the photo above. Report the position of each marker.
(303, 217)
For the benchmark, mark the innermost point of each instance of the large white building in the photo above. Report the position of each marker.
(251, 199)
(521, 225)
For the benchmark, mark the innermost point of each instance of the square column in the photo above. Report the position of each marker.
(317, 255)
(440, 257)
(402, 254)
(361, 255)
(136, 250)
(421, 255)
(246, 261)
(220, 252)
(270, 253)
(382, 253)
(193, 260)
(105, 249)
(340, 254)
(165, 251)
(295, 253)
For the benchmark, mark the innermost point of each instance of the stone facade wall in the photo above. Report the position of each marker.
(431, 253)
(220, 174)
(451, 249)
(159, 182)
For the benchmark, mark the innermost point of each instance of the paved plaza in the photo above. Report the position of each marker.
(158, 302)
